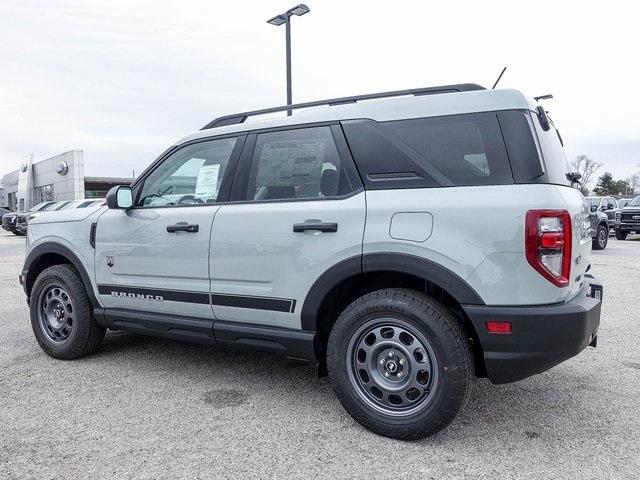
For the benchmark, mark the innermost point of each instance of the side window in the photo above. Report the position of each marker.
(190, 176)
(447, 151)
(300, 163)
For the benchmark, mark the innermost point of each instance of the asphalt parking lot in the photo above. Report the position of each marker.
(149, 408)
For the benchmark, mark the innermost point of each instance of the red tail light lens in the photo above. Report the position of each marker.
(548, 244)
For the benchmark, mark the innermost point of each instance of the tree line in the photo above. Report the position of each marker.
(605, 185)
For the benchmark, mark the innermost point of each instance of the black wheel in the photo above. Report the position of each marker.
(16, 233)
(620, 235)
(399, 363)
(601, 238)
(61, 316)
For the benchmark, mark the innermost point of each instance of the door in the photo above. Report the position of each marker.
(155, 256)
(610, 208)
(297, 209)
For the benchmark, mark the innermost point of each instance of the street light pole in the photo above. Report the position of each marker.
(289, 86)
(285, 18)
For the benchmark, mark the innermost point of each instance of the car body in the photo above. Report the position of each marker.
(608, 205)
(355, 235)
(628, 219)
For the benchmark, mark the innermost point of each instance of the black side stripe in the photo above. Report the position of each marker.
(201, 298)
(257, 303)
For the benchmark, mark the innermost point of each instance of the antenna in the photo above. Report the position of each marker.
(499, 77)
(543, 97)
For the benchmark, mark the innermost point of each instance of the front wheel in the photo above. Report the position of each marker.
(620, 235)
(61, 316)
(399, 363)
(601, 238)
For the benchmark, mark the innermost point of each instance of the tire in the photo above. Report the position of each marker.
(601, 238)
(620, 235)
(16, 233)
(61, 316)
(414, 328)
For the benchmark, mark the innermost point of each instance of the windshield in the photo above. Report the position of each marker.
(635, 202)
(593, 201)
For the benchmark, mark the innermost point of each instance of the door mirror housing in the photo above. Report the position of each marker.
(120, 197)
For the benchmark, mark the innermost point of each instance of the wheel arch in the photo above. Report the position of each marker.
(48, 254)
(358, 275)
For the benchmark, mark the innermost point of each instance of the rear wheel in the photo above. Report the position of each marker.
(601, 238)
(61, 316)
(620, 235)
(399, 363)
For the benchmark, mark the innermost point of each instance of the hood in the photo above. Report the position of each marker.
(629, 209)
(70, 215)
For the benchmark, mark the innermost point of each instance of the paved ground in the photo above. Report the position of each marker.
(148, 408)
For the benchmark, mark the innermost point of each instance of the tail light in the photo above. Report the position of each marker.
(548, 244)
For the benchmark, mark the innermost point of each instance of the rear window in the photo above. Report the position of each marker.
(555, 161)
(455, 150)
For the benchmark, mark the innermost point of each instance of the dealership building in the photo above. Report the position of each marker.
(54, 179)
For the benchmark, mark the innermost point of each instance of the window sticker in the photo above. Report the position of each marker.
(207, 184)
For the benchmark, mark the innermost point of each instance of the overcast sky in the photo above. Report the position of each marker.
(122, 80)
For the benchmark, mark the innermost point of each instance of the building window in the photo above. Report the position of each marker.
(44, 194)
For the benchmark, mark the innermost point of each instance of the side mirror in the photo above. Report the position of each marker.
(120, 197)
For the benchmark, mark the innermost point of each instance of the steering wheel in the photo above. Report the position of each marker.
(189, 200)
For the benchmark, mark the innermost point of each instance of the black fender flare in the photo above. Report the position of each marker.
(420, 267)
(47, 248)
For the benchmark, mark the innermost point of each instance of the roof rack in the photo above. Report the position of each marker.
(241, 117)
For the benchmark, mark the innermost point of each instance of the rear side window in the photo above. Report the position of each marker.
(296, 164)
(455, 150)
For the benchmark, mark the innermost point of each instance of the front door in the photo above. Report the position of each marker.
(155, 256)
(297, 209)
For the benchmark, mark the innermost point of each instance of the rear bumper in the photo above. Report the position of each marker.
(541, 337)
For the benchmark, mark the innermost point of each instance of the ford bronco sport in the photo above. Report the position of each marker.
(369, 234)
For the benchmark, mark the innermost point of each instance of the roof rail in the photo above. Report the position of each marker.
(241, 117)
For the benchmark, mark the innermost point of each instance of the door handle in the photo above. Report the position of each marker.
(315, 225)
(183, 227)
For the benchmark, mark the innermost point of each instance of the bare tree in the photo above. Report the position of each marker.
(634, 183)
(586, 167)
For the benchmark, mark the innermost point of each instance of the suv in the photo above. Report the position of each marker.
(10, 220)
(628, 219)
(368, 236)
(23, 219)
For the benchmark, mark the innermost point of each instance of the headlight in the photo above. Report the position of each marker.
(618, 216)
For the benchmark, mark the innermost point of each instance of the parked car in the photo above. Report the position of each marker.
(628, 219)
(22, 221)
(267, 247)
(4, 211)
(599, 230)
(9, 220)
(84, 203)
(607, 205)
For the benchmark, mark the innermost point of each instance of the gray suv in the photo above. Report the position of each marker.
(367, 234)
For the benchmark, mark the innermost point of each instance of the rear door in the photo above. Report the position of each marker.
(155, 256)
(297, 209)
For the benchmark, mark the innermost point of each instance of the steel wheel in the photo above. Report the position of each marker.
(392, 366)
(55, 313)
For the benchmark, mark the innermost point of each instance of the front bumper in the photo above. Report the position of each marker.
(628, 227)
(542, 336)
